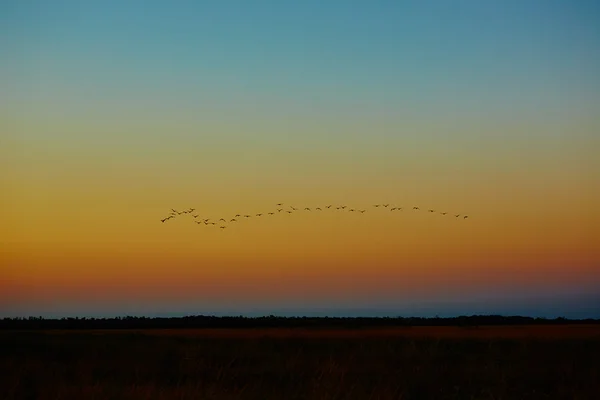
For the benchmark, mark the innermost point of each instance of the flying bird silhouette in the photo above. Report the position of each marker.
(206, 221)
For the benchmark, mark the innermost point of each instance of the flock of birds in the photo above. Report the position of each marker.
(288, 210)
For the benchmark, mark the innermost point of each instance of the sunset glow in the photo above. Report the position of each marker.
(113, 114)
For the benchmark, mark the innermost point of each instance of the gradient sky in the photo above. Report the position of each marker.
(112, 112)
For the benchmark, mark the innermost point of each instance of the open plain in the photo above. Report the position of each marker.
(420, 362)
(551, 332)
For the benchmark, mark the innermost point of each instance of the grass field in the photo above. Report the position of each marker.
(505, 362)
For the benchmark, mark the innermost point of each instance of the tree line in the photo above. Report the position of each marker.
(271, 321)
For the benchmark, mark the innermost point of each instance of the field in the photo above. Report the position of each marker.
(504, 362)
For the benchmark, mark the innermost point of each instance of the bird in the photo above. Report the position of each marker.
(279, 204)
(307, 209)
(376, 205)
(207, 219)
(386, 205)
(362, 211)
(258, 215)
(279, 209)
(172, 209)
(466, 216)
(233, 220)
(222, 227)
(343, 207)
(192, 209)
(212, 223)
(293, 208)
(289, 212)
(351, 210)
(318, 208)
(246, 216)
(222, 219)
(271, 213)
(163, 220)
(416, 208)
(431, 211)
(393, 209)
(195, 216)
(198, 222)
(329, 206)
(237, 215)
(443, 213)
(457, 215)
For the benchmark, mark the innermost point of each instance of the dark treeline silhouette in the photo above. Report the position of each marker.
(202, 321)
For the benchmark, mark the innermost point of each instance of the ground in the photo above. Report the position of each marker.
(503, 362)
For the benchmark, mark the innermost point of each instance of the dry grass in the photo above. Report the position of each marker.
(542, 332)
(532, 362)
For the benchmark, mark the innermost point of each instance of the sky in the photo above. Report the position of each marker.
(114, 112)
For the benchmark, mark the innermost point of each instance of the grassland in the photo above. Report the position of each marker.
(507, 362)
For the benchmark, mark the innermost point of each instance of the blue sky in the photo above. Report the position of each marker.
(426, 55)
